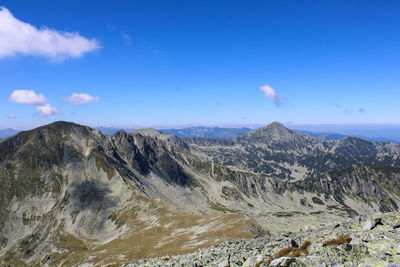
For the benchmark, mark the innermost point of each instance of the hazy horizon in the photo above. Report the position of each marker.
(391, 131)
(250, 125)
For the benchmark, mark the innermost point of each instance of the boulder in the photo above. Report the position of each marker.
(283, 262)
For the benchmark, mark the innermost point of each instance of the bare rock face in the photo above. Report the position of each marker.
(69, 194)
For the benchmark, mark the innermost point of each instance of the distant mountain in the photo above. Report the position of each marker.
(112, 130)
(336, 136)
(207, 132)
(379, 139)
(8, 132)
(323, 135)
(376, 133)
(229, 133)
(224, 133)
(274, 147)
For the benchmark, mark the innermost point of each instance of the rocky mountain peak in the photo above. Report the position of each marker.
(275, 124)
(50, 135)
(275, 128)
(61, 128)
(276, 133)
(147, 132)
(63, 125)
(272, 129)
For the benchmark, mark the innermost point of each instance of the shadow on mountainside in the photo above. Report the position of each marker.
(94, 200)
(90, 194)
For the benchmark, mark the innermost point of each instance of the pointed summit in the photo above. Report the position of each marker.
(273, 130)
(275, 124)
(279, 138)
(275, 127)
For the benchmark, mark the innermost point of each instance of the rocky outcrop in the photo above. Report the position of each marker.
(343, 244)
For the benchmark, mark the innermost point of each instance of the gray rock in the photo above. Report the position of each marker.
(368, 225)
(223, 264)
(386, 246)
(255, 260)
(346, 247)
(283, 262)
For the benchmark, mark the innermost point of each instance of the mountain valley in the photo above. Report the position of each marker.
(70, 195)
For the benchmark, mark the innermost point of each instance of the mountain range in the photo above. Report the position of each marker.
(336, 136)
(4, 133)
(207, 132)
(228, 133)
(71, 195)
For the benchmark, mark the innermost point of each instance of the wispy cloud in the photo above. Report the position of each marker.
(18, 37)
(350, 111)
(27, 97)
(30, 97)
(270, 93)
(81, 98)
(127, 38)
(46, 110)
(135, 41)
(11, 116)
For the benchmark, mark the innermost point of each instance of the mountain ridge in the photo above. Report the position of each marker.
(71, 181)
(223, 133)
(207, 132)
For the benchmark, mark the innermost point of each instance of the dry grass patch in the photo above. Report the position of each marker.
(155, 230)
(342, 239)
(290, 252)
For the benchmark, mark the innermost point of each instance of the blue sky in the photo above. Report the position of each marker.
(176, 63)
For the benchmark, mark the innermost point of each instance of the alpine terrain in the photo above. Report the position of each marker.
(70, 195)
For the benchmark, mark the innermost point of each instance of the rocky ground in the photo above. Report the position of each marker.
(361, 241)
(71, 196)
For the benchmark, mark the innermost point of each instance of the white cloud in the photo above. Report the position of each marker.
(46, 110)
(271, 94)
(17, 37)
(81, 98)
(27, 97)
(11, 116)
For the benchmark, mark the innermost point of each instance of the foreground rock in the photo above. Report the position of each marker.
(346, 244)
